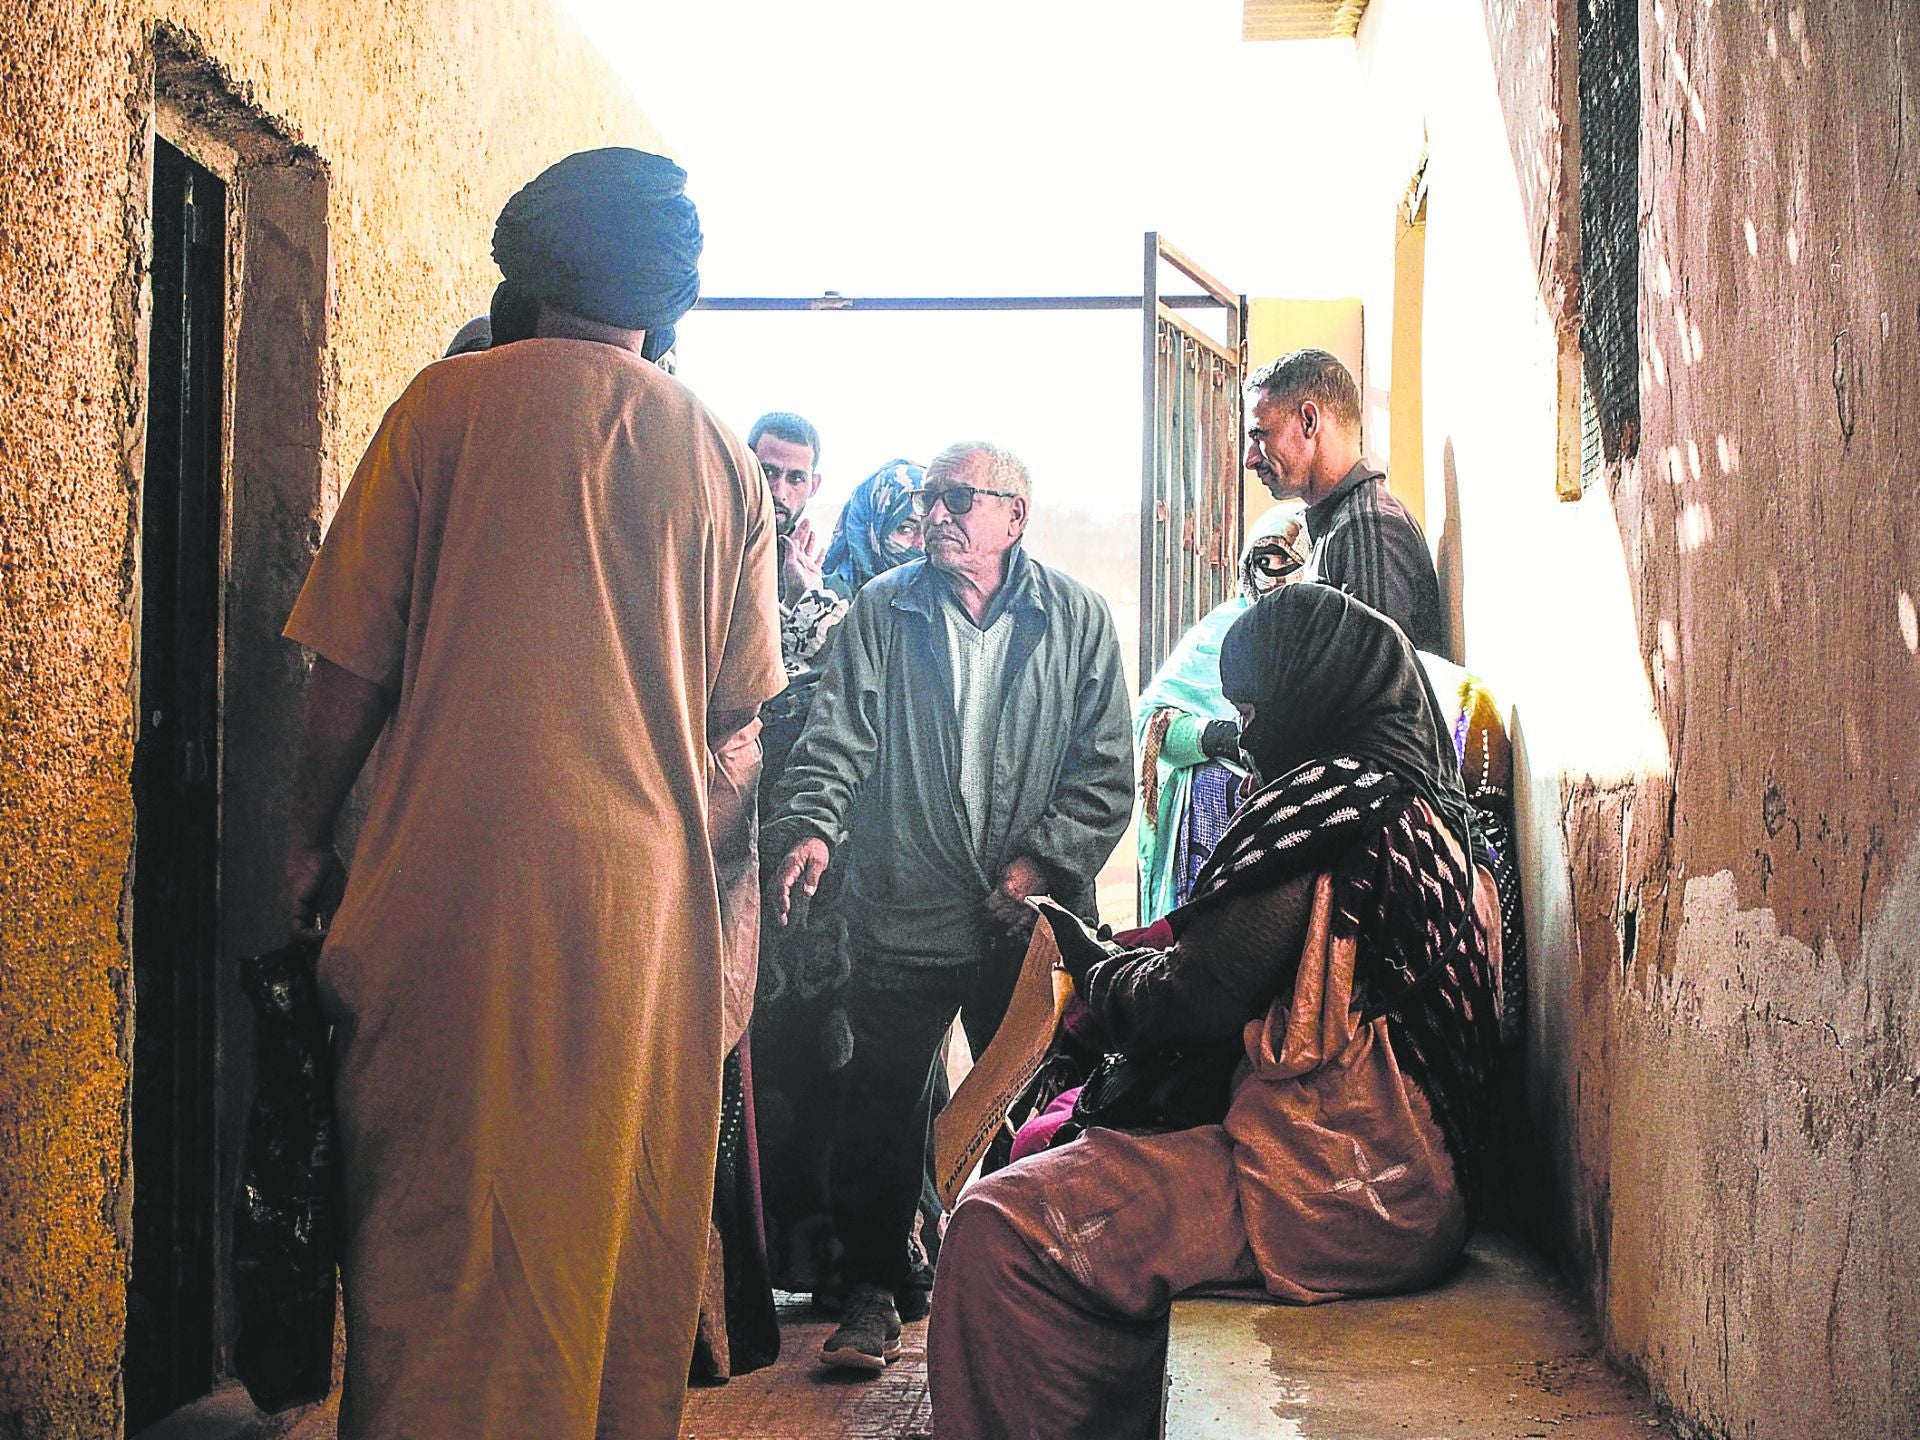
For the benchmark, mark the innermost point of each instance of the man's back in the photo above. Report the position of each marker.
(1368, 544)
(562, 565)
(580, 531)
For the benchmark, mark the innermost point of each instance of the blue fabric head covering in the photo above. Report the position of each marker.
(607, 234)
(474, 336)
(861, 547)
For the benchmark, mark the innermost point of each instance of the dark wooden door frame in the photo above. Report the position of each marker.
(171, 1346)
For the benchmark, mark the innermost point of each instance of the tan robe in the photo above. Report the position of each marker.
(562, 563)
(1328, 1179)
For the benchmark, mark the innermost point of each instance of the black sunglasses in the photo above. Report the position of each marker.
(957, 498)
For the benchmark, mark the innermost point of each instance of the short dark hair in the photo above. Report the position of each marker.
(785, 425)
(1315, 375)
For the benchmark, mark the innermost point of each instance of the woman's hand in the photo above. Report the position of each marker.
(1080, 951)
(1221, 740)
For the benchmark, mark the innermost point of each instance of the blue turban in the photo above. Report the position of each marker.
(475, 335)
(606, 234)
(862, 545)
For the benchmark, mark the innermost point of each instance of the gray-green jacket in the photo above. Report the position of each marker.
(874, 774)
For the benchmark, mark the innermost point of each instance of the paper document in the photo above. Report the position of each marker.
(963, 1131)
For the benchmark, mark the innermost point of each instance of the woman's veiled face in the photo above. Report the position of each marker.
(906, 536)
(1274, 556)
(1270, 566)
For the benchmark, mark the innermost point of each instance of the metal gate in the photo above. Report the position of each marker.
(1191, 485)
(1191, 511)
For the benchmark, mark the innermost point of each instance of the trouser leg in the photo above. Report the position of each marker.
(898, 1015)
(1055, 1280)
(1015, 1354)
(988, 991)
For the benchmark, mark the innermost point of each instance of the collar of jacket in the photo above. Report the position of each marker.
(1320, 513)
(1021, 588)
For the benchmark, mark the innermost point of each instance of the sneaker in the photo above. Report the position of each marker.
(869, 1333)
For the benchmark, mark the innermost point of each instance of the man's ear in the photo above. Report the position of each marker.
(1019, 515)
(1310, 418)
(814, 488)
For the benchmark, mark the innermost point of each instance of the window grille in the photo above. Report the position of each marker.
(1609, 84)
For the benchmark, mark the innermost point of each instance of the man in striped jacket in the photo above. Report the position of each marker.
(1303, 441)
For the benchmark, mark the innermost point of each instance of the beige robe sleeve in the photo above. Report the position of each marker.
(750, 671)
(353, 608)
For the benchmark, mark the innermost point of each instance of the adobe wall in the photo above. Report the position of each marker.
(425, 114)
(1768, 1023)
(1712, 662)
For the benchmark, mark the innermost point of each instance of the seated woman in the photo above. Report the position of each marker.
(1341, 942)
(1186, 731)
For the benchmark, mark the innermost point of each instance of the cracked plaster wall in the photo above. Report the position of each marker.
(1712, 662)
(425, 114)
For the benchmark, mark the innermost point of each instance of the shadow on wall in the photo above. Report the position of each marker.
(1450, 561)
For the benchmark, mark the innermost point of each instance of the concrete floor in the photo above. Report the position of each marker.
(1500, 1351)
(796, 1398)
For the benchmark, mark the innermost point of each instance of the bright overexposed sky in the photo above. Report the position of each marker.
(879, 148)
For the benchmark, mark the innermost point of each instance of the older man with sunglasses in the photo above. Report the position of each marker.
(969, 746)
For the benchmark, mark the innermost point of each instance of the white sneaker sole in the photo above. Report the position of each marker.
(850, 1359)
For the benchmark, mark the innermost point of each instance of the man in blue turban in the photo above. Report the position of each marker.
(607, 235)
(552, 583)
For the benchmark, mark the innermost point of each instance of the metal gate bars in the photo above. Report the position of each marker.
(1191, 485)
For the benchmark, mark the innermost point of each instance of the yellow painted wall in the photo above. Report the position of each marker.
(1275, 326)
(1403, 456)
(426, 114)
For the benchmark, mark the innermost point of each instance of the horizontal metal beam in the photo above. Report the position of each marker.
(833, 301)
(1189, 267)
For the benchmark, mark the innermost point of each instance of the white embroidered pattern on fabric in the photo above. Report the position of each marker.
(1361, 1183)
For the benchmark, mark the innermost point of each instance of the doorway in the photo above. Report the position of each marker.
(170, 1294)
(229, 513)
(1155, 524)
